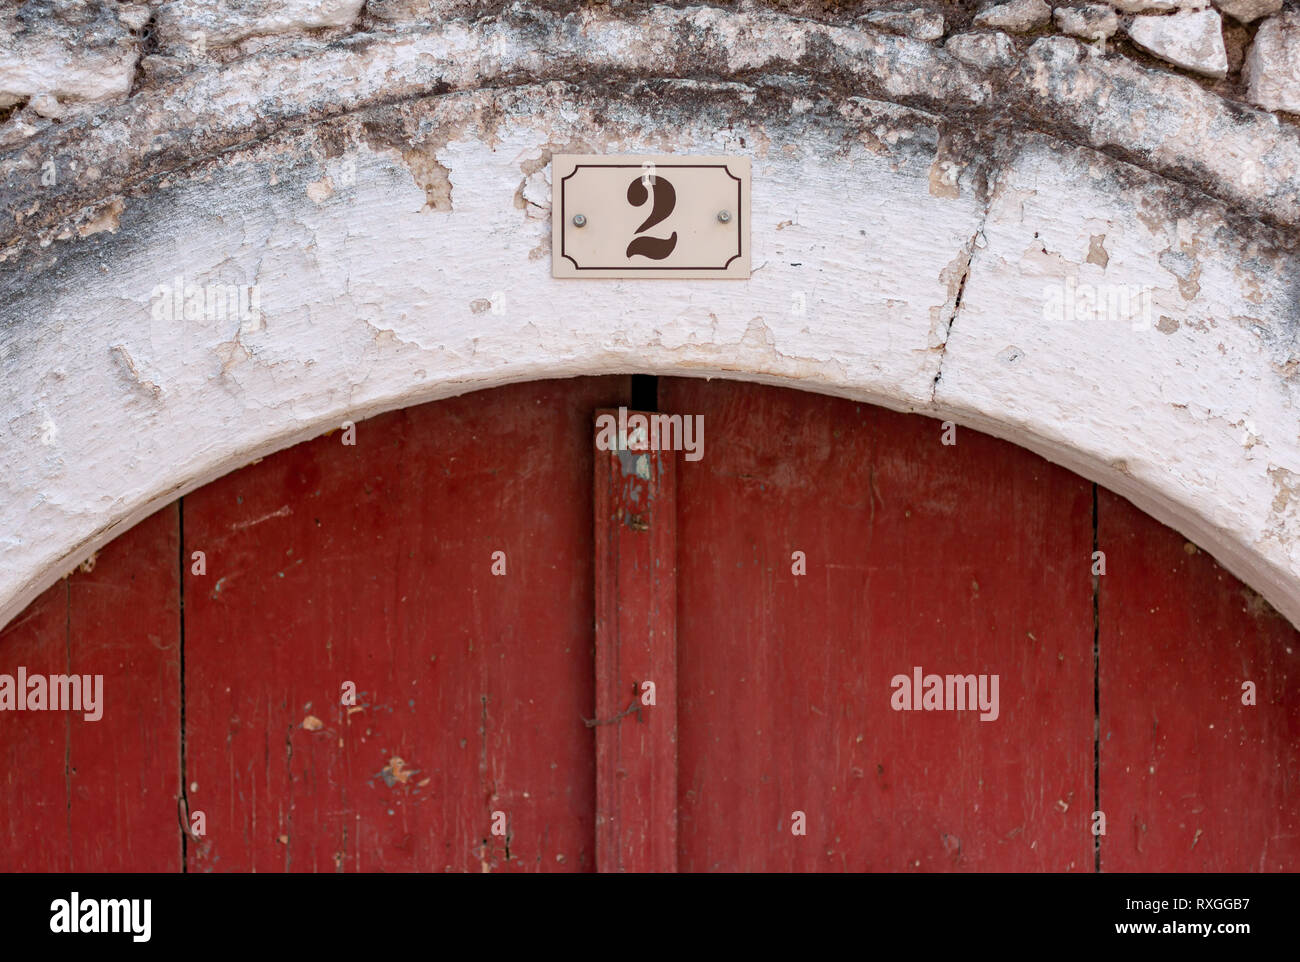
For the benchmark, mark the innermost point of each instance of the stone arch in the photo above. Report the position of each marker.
(928, 215)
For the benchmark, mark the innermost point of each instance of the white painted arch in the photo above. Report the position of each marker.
(401, 254)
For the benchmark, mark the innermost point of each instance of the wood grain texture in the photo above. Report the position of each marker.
(373, 564)
(124, 778)
(636, 642)
(34, 832)
(964, 559)
(1192, 780)
(100, 796)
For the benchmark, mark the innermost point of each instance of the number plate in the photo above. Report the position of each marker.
(639, 216)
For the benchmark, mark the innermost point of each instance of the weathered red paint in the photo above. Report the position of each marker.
(970, 558)
(373, 564)
(1192, 779)
(124, 776)
(636, 644)
(34, 745)
(99, 796)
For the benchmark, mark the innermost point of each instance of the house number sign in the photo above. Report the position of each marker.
(650, 216)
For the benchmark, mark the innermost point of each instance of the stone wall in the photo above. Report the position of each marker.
(62, 57)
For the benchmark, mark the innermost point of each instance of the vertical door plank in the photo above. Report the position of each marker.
(965, 559)
(34, 832)
(1192, 780)
(537, 665)
(636, 643)
(99, 796)
(124, 623)
(373, 564)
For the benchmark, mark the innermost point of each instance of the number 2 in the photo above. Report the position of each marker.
(665, 199)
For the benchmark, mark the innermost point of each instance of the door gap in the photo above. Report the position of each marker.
(1096, 685)
(185, 789)
(645, 392)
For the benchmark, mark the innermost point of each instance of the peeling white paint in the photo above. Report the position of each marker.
(892, 264)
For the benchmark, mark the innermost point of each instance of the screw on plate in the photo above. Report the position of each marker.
(579, 220)
(724, 216)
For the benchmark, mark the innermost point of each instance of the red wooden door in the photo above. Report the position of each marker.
(771, 591)
(1194, 779)
(970, 558)
(443, 565)
(99, 796)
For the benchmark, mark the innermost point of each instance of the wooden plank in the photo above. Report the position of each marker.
(99, 796)
(636, 652)
(124, 623)
(373, 564)
(1192, 780)
(34, 832)
(537, 661)
(971, 558)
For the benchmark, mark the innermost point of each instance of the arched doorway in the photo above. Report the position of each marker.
(446, 566)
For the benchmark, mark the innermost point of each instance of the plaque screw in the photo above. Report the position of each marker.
(579, 220)
(724, 216)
